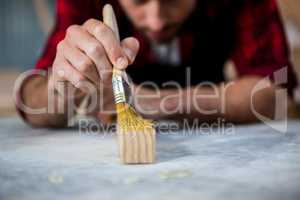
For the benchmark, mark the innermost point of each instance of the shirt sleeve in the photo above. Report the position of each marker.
(68, 12)
(261, 47)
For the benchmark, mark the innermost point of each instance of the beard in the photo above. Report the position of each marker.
(165, 35)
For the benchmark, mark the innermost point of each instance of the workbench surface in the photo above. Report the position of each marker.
(255, 162)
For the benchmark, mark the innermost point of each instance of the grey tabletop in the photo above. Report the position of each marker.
(254, 162)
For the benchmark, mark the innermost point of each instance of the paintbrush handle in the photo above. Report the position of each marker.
(118, 81)
(109, 18)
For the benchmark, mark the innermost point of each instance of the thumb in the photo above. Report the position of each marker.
(131, 47)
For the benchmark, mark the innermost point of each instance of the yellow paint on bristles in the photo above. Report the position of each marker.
(129, 121)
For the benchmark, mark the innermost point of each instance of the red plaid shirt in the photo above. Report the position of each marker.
(249, 32)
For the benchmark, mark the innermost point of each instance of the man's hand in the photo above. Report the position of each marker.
(87, 54)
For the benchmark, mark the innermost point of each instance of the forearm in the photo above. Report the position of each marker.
(235, 102)
(231, 101)
(53, 110)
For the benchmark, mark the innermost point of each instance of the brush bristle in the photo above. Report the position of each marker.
(129, 121)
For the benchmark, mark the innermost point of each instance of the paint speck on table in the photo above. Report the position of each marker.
(55, 178)
(175, 174)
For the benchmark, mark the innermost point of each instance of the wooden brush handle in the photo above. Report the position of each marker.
(109, 18)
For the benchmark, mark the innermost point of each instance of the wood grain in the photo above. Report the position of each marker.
(137, 148)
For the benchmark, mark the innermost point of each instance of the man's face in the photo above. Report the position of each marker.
(159, 20)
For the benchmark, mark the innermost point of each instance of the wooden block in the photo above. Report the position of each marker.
(137, 148)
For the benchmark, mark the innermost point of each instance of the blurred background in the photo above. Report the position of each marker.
(25, 24)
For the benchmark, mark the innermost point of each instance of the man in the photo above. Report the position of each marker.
(185, 42)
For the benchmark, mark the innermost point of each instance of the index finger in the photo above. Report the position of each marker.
(109, 41)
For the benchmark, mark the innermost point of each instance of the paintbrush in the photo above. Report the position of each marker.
(136, 135)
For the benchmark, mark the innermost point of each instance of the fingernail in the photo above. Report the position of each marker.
(129, 54)
(122, 63)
